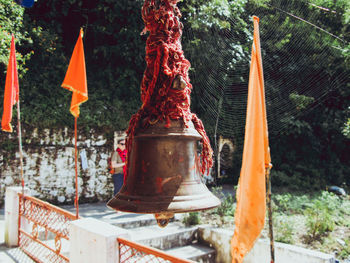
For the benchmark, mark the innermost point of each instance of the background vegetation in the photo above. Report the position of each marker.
(309, 139)
(319, 221)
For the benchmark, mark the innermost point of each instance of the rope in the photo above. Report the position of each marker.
(166, 64)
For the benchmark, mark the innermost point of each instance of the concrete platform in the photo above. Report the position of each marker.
(173, 235)
(132, 221)
(194, 252)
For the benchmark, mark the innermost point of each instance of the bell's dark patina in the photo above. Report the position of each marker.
(164, 174)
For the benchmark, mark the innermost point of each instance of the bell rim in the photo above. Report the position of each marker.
(175, 204)
(182, 135)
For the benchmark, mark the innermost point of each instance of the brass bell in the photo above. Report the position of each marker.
(164, 174)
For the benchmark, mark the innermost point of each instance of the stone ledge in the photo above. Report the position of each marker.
(221, 239)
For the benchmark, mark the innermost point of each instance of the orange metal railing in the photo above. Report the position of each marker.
(131, 252)
(45, 220)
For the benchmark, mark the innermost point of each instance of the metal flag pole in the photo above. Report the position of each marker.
(75, 81)
(20, 143)
(269, 206)
(76, 202)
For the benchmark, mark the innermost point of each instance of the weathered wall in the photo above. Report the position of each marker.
(49, 171)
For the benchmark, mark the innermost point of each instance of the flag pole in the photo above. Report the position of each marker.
(269, 205)
(75, 81)
(19, 133)
(76, 168)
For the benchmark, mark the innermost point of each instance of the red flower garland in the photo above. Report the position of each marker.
(166, 64)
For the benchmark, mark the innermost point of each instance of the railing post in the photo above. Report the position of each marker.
(94, 241)
(12, 214)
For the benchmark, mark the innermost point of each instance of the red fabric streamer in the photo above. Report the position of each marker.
(166, 62)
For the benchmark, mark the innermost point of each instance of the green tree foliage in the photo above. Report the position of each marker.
(346, 129)
(309, 149)
(210, 24)
(11, 22)
(114, 54)
(217, 42)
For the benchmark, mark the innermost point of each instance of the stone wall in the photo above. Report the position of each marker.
(49, 167)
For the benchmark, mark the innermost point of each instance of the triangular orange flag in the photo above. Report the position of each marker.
(75, 79)
(251, 193)
(11, 95)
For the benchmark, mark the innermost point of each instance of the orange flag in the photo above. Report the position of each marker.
(75, 79)
(11, 95)
(251, 194)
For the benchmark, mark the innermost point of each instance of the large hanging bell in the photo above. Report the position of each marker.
(163, 173)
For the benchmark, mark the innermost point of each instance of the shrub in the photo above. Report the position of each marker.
(290, 204)
(320, 215)
(284, 229)
(191, 219)
(345, 251)
(227, 207)
(283, 201)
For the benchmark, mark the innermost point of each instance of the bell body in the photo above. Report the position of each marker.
(163, 173)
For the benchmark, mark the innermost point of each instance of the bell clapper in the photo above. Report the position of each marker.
(163, 218)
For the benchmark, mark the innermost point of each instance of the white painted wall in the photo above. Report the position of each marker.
(94, 241)
(12, 214)
(49, 164)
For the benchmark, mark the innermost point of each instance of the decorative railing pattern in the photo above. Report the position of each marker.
(131, 252)
(46, 221)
